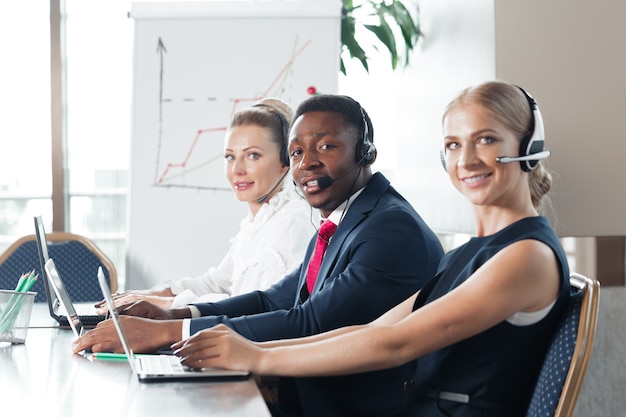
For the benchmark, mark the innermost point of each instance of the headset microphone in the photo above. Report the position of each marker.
(533, 157)
(326, 181)
(264, 197)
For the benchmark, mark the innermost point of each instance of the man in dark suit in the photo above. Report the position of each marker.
(381, 253)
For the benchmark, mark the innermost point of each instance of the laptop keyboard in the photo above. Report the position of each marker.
(160, 364)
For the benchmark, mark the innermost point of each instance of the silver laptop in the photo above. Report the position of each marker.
(87, 313)
(156, 368)
(54, 281)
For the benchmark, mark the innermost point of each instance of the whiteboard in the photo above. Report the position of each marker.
(195, 64)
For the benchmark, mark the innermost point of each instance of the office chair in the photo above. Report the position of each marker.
(566, 362)
(77, 258)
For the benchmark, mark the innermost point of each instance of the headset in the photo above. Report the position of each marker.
(365, 149)
(266, 195)
(531, 146)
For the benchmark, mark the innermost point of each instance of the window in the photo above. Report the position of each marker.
(25, 160)
(97, 62)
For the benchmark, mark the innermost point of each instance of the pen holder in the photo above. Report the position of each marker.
(15, 310)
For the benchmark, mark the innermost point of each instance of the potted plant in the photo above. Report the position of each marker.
(392, 23)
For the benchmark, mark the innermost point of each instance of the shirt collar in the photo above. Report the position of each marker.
(339, 212)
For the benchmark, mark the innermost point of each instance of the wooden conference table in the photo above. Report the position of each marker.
(42, 377)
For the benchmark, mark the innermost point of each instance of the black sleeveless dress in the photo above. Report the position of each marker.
(494, 372)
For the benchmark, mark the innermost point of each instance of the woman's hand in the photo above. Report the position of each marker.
(130, 297)
(219, 347)
(150, 311)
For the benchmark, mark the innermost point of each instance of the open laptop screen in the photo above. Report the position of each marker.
(42, 250)
(62, 295)
(87, 313)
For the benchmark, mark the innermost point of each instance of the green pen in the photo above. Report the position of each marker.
(109, 356)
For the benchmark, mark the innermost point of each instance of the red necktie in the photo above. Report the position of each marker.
(323, 237)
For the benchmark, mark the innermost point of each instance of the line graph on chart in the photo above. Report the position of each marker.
(193, 116)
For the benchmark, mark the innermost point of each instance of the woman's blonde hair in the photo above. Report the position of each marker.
(271, 113)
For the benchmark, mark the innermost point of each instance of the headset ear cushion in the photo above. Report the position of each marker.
(368, 156)
(535, 142)
(442, 158)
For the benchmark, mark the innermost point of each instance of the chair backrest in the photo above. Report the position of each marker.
(77, 259)
(566, 362)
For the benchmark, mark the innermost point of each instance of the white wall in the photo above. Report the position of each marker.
(457, 50)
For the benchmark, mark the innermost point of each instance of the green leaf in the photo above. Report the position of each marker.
(348, 29)
(393, 17)
(350, 44)
(408, 27)
(385, 35)
(404, 20)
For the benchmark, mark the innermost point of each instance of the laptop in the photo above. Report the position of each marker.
(54, 281)
(87, 313)
(157, 368)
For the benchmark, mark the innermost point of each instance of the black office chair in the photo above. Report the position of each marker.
(566, 362)
(77, 258)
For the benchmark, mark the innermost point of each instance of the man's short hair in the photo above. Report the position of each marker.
(353, 114)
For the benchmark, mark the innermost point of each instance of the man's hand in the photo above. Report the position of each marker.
(145, 336)
(151, 311)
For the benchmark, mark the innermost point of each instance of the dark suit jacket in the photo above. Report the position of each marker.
(381, 253)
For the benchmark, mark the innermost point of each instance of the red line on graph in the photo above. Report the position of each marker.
(236, 103)
(189, 152)
(287, 65)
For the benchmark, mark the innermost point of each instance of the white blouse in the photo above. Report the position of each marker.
(265, 249)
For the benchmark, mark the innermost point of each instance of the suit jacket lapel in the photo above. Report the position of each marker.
(356, 213)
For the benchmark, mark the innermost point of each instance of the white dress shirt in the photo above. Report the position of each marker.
(267, 247)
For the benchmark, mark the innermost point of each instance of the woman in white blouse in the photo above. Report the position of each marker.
(273, 237)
